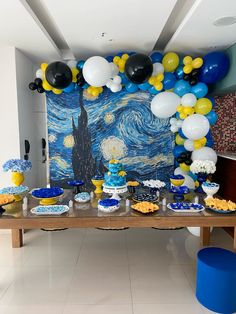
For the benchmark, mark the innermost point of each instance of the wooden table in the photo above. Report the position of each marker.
(87, 216)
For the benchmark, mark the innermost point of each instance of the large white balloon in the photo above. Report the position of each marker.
(97, 71)
(178, 170)
(195, 126)
(157, 68)
(189, 182)
(164, 104)
(188, 145)
(204, 153)
(188, 100)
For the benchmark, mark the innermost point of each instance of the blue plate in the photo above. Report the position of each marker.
(186, 207)
(222, 211)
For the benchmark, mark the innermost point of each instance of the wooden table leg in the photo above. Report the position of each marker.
(205, 236)
(234, 239)
(17, 238)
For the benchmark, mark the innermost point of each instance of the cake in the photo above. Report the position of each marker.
(116, 176)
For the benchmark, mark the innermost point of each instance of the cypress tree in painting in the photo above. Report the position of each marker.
(83, 163)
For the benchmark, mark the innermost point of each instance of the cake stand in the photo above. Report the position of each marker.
(115, 191)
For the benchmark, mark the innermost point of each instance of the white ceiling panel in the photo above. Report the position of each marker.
(197, 32)
(20, 28)
(105, 26)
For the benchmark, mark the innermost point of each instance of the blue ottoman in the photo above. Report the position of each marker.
(216, 280)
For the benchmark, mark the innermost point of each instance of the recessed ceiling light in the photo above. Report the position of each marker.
(225, 21)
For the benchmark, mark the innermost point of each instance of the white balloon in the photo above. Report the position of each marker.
(97, 71)
(114, 69)
(179, 123)
(164, 104)
(174, 128)
(188, 145)
(72, 64)
(195, 126)
(178, 170)
(204, 153)
(189, 182)
(188, 100)
(39, 74)
(157, 68)
(115, 87)
(173, 121)
(117, 79)
(109, 84)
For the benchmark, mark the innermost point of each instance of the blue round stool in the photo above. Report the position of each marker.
(216, 280)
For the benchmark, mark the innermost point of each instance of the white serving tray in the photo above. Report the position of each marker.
(49, 210)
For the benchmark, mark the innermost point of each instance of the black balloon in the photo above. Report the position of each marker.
(32, 86)
(58, 75)
(138, 68)
(188, 162)
(180, 160)
(80, 79)
(186, 77)
(40, 89)
(195, 73)
(193, 81)
(38, 81)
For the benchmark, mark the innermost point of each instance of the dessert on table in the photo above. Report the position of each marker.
(145, 207)
(220, 205)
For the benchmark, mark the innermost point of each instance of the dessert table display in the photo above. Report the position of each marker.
(87, 215)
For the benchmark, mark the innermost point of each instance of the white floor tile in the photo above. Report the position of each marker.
(98, 309)
(167, 309)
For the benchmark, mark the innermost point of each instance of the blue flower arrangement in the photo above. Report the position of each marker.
(108, 202)
(17, 165)
(47, 192)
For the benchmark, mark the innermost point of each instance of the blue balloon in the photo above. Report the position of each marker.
(80, 64)
(144, 86)
(131, 88)
(156, 56)
(124, 79)
(179, 72)
(109, 58)
(181, 134)
(210, 143)
(182, 87)
(153, 91)
(199, 90)
(212, 117)
(212, 99)
(178, 149)
(69, 88)
(215, 67)
(169, 80)
(86, 85)
(192, 175)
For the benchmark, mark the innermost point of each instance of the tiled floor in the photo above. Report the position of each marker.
(134, 271)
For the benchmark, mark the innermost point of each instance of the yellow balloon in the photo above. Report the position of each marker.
(203, 106)
(188, 110)
(57, 91)
(197, 144)
(184, 167)
(46, 85)
(179, 140)
(151, 80)
(197, 63)
(116, 60)
(187, 68)
(187, 60)
(170, 61)
(180, 108)
(182, 115)
(95, 93)
(125, 56)
(160, 76)
(158, 86)
(203, 141)
(100, 89)
(74, 71)
(44, 66)
(196, 184)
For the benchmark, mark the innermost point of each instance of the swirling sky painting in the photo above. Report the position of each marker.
(85, 132)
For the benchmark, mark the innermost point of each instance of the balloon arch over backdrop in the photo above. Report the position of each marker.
(179, 86)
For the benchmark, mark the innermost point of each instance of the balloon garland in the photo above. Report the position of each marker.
(179, 86)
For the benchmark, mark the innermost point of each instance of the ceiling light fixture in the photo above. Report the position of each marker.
(225, 21)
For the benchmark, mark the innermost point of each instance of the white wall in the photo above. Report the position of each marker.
(9, 123)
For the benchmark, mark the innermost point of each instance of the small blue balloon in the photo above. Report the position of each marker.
(156, 56)
(212, 99)
(109, 58)
(124, 79)
(131, 88)
(199, 90)
(86, 85)
(210, 143)
(80, 64)
(153, 91)
(144, 86)
(69, 88)
(181, 134)
(212, 117)
(179, 72)
(178, 149)
(169, 80)
(192, 175)
(215, 67)
(182, 87)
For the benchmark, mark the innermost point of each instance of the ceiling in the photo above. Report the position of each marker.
(49, 30)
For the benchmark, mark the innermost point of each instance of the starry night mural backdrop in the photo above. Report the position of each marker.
(85, 132)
